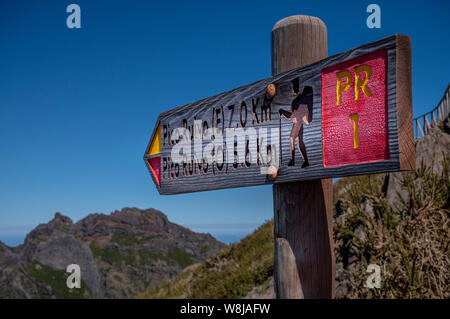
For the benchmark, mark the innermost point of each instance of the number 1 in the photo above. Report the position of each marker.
(354, 118)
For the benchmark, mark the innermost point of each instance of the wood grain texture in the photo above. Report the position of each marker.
(407, 150)
(293, 54)
(287, 281)
(302, 210)
(309, 75)
(303, 214)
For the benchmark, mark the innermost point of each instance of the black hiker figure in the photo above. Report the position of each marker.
(301, 111)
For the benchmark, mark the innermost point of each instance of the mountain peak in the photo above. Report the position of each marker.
(61, 219)
(119, 254)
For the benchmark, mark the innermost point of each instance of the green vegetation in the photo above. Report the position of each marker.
(130, 258)
(129, 240)
(231, 273)
(175, 256)
(111, 255)
(56, 279)
(123, 240)
(114, 256)
(146, 257)
(181, 257)
(410, 240)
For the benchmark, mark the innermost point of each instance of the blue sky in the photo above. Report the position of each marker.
(77, 106)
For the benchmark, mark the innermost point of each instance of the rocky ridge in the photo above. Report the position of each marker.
(119, 255)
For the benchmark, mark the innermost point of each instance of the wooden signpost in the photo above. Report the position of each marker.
(316, 118)
(343, 115)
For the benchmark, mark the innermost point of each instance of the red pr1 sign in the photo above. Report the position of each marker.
(354, 111)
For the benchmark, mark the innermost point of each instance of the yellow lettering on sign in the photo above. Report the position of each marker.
(339, 88)
(362, 84)
(354, 118)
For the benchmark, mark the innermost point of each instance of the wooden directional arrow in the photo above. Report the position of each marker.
(348, 114)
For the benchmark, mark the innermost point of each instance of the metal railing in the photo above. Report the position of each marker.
(424, 122)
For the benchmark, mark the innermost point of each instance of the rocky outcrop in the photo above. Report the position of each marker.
(62, 250)
(431, 150)
(433, 147)
(119, 255)
(393, 189)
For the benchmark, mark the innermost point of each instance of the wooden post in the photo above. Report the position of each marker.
(304, 265)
